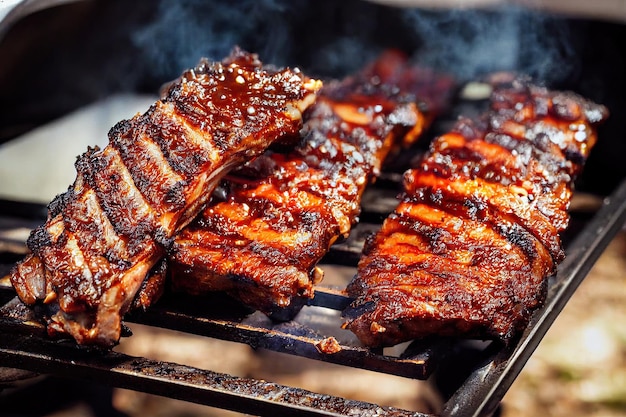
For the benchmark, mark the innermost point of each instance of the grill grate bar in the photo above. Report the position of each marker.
(296, 337)
(181, 382)
(221, 318)
(478, 396)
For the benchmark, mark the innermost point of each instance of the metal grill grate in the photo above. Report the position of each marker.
(23, 344)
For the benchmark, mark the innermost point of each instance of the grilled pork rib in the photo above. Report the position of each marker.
(104, 235)
(282, 213)
(476, 233)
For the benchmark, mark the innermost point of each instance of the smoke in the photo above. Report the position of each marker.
(332, 38)
(470, 43)
(326, 37)
(184, 31)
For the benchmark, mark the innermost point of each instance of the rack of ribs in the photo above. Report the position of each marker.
(105, 234)
(280, 214)
(475, 236)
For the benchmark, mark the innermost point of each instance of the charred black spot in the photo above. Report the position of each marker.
(85, 165)
(39, 238)
(119, 139)
(115, 178)
(521, 238)
(58, 204)
(476, 208)
(436, 196)
(161, 237)
(433, 235)
(175, 195)
(573, 155)
(119, 130)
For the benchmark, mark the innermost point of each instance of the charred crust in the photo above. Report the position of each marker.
(58, 204)
(526, 209)
(85, 165)
(480, 211)
(102, 205)
(161, 237)
(476, 208)
(119, 131)
(39, 238)
(175, 195)
(518, 236)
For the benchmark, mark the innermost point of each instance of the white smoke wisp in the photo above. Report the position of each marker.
(184, 31)
(472, 42)
(335, 38)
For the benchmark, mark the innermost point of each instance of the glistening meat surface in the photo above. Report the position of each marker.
(281, 214)
(104, 235)
(468, 250)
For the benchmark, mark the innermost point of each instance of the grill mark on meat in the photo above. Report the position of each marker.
(200, 151)
(481, 199)
(433, 241)
(105, 234)
(477, 160)
(160, 185)
(124, 205)
(476, 234)
(166, 131)
(99, 235)
(283, 211)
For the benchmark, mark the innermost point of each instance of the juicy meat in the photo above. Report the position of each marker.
(106, 233)
(476, 233)
(282, 213)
